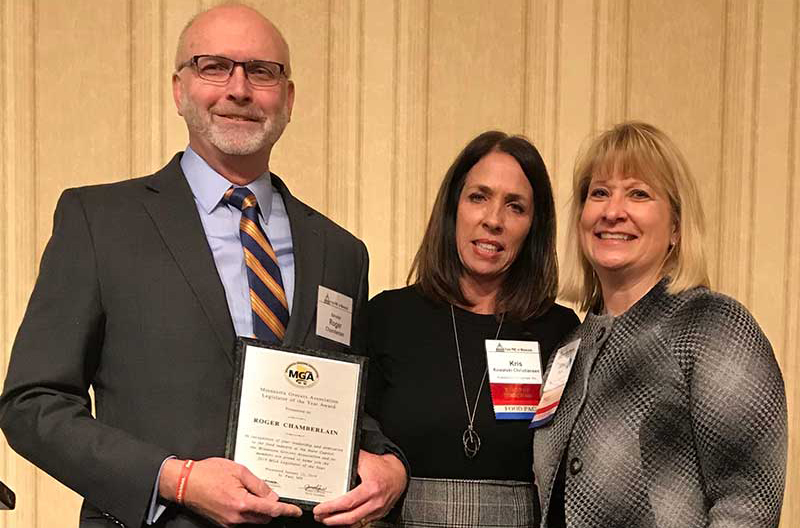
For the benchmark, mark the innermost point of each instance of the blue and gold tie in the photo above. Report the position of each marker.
(267, 296)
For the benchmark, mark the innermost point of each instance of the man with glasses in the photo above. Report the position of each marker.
(144, 286)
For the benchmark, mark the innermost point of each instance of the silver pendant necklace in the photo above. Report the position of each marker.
(470, 438)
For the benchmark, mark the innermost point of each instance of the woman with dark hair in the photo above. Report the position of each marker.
(486, 270)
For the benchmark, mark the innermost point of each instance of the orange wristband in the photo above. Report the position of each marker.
(182, 480)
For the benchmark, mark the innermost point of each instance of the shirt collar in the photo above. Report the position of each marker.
(208, 185)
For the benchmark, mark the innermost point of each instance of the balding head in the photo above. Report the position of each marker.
(231, 26)
(232, 123)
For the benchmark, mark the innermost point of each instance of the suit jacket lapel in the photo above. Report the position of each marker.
(308, 245)
(171, 206)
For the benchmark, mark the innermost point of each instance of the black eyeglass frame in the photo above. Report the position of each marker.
(194, 60)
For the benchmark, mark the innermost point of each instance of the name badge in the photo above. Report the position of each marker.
(334, 315)
(555, 383)
(515, 377)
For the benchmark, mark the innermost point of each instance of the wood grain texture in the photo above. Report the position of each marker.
(387, 92)
(787, 349)
(541, 89)
(412, 111)
(18, 203)
(378, 201)
(741, 63)
(610, 95)
(149, 64)
(345, 117)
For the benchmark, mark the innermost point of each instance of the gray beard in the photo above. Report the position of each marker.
(232, 142)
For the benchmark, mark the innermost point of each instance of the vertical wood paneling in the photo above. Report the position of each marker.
(345, 118)
(770, 205)
(411, 148)
(302, 156)
(734, 241)
(378, 205)
(791, 332)
(541, 97)
(18, 203)
(675, 69)
(574, 117)
(172, 17)
(148, 77)
(475, 77)
(610, 62)
(82, 111)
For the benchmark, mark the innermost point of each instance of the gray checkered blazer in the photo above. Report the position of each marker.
(674, 415)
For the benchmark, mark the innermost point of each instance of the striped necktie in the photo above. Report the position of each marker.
(267, 296)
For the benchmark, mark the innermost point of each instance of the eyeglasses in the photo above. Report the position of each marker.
(219, 69)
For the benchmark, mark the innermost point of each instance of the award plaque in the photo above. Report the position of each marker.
(294, 419)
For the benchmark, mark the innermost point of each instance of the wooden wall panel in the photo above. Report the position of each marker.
(541, 90)
(378, 138)
(345, 111)
(387, 93)
(82, 111)
(475, 82)
(675, 72)
(303, 156)
(149, 66)
(741, 56)
(573, 121)
(17, 223)
(768, 230)
(172, 17)
(411, 149)
(788, 346)
(5, 456)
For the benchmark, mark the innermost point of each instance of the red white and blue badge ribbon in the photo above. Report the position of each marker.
(515, 377)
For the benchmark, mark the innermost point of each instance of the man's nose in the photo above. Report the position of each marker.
(239, 88)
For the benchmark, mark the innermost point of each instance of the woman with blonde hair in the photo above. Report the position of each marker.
(666, 407)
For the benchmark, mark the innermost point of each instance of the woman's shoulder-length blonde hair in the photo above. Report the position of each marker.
(642, 151)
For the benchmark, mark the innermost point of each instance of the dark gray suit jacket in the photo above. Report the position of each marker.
(129, 302)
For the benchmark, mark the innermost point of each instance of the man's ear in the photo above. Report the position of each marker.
(289, 98)
(177, 91)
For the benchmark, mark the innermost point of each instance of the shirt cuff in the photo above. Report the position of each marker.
(157, 503)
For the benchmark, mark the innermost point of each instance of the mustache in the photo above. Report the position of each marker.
(251, 114)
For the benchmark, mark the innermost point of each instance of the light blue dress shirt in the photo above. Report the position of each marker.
(221, 225)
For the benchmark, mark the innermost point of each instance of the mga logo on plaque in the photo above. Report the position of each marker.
(301, 374)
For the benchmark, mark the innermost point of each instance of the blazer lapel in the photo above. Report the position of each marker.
(171, 206)
(308, 245)
(553, 438)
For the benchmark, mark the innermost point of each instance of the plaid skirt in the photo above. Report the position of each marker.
(466, 504)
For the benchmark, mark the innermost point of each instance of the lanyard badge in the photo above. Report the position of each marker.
(555, 383)
(515, 377)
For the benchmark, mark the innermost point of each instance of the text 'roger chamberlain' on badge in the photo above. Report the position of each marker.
(334, 315)
(515, 377)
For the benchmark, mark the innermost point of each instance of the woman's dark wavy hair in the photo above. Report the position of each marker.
(531, 282)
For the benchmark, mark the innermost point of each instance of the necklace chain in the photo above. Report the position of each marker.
(470, 438)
